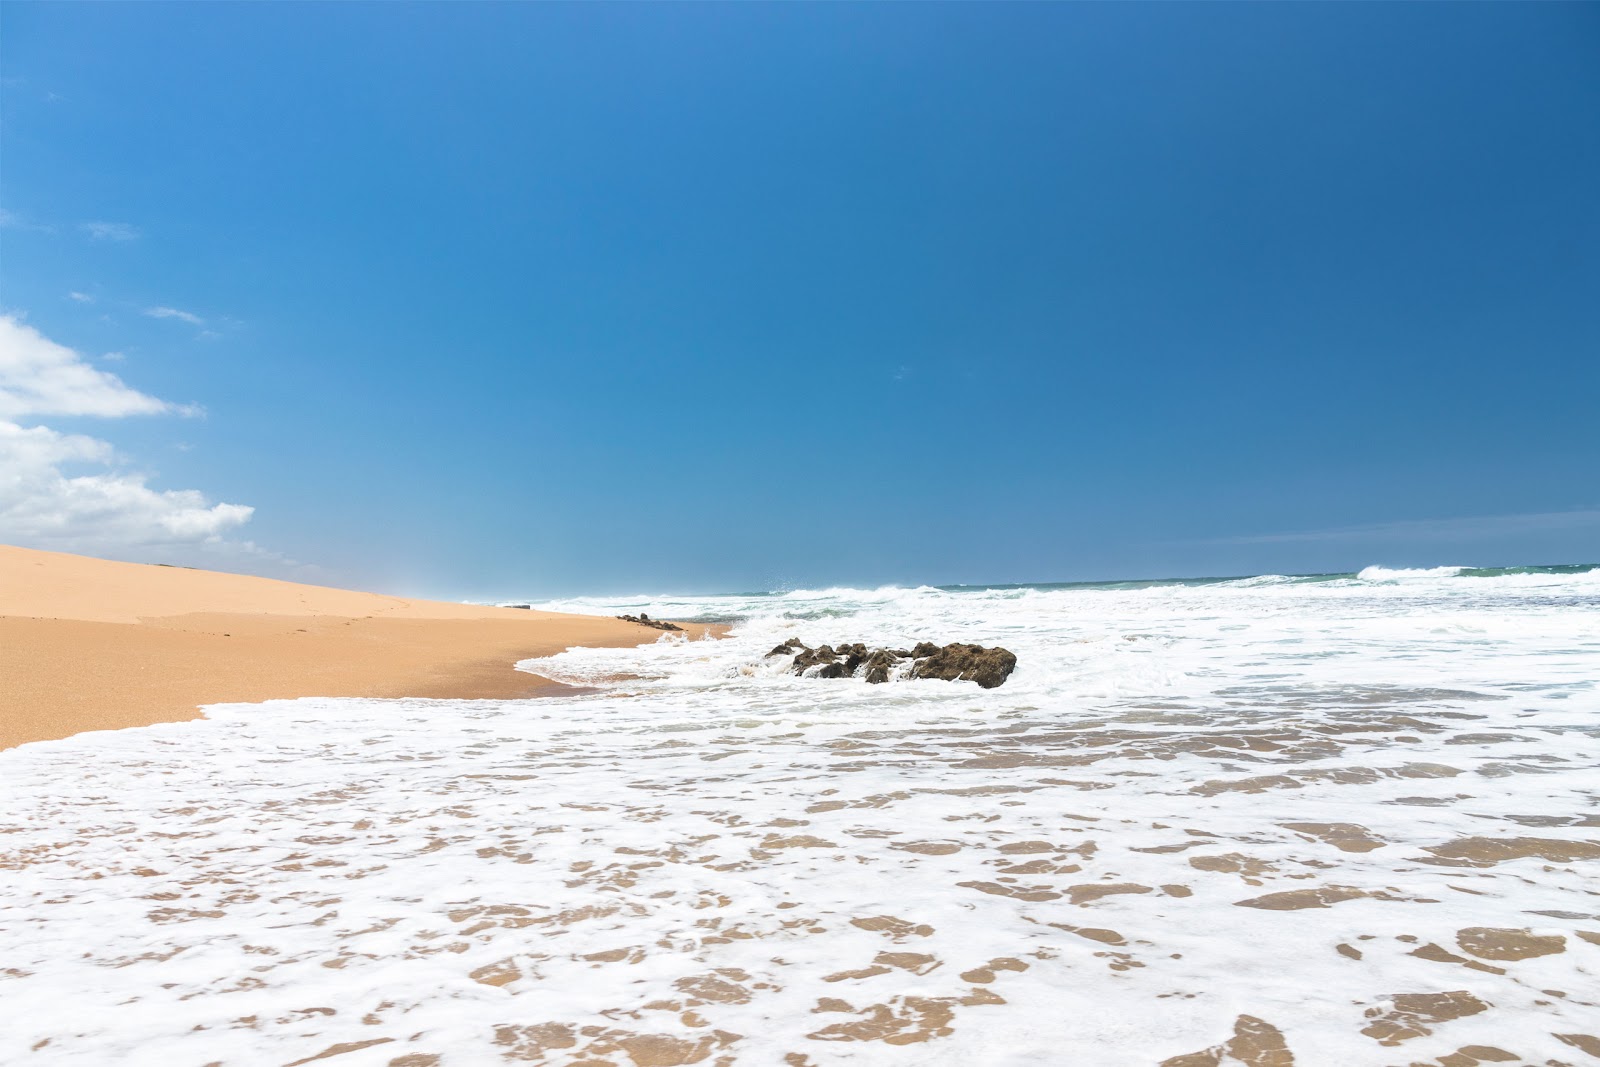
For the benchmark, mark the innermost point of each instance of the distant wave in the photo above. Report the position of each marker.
(1586, 572)
(839, 601)
(1389, 574)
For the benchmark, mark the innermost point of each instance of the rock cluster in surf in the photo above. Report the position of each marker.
(989, 667)
(644, 620)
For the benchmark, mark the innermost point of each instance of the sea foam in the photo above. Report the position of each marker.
(1389, 574)
(1348, 819)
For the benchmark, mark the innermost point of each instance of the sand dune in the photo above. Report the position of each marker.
(90, 644)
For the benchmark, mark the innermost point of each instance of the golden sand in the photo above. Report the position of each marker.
(90, 644)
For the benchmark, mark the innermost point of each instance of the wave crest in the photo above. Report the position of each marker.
(1376, 573)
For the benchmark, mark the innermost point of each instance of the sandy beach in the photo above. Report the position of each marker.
(91, 644)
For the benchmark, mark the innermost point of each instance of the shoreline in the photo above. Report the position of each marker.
(1120, 848)
(89, 644)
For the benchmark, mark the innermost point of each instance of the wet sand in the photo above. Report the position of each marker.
(91, 644)
(1340, 824)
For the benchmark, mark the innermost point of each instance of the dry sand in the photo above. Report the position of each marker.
(90, 644)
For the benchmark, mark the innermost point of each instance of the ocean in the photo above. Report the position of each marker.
(1324, 820)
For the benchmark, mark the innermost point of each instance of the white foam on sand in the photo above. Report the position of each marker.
(1354, 820)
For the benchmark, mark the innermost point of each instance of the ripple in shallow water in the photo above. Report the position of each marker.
(1137, 853)
(412, 879)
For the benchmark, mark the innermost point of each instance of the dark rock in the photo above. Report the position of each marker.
(644, 620)
(813, 657)
(878, 665)
(989, 667)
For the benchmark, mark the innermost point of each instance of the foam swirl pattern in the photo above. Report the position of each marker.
(1266, 822)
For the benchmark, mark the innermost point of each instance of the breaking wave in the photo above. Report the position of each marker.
(1348, 819)
(1390, 574)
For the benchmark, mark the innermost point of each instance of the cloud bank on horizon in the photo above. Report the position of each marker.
(1466, 528)
(76, 493)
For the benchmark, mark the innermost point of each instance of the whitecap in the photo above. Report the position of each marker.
(1388, 574)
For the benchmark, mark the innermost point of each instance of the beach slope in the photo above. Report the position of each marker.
(91, 644)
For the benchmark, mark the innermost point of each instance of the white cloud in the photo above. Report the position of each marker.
(40, 377)
(75, 493)
(82, 298)
(106, 509)
(109, 231)
(1458, 529)
(173, 313)
(10, 220)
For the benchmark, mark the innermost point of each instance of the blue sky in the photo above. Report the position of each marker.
(508, 300)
